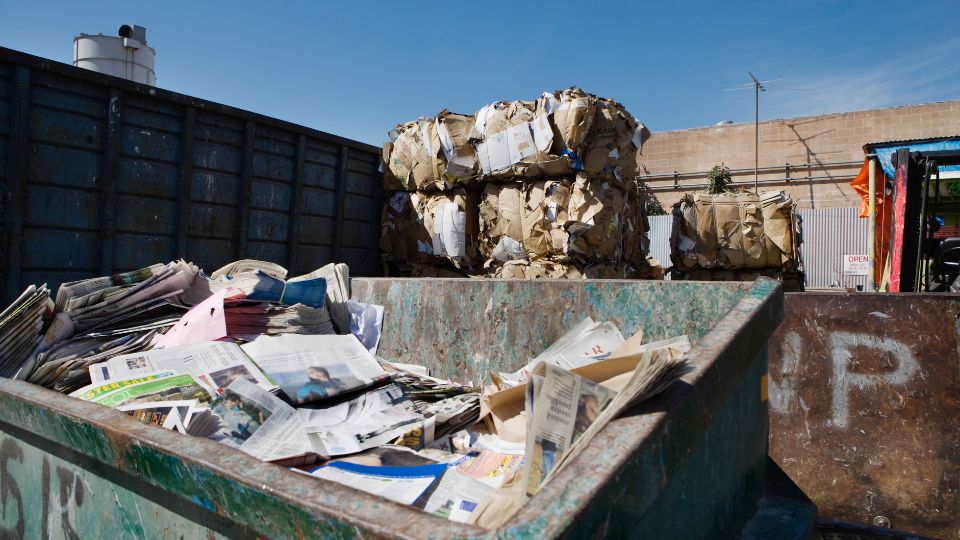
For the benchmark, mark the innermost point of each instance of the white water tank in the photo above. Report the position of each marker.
(125, 55)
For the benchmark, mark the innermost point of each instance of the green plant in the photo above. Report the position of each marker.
(954, 188)
(719, 179)
(650, 202)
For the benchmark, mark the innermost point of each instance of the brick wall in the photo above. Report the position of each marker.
(813, 158)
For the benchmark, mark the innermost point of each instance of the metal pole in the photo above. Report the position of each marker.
(919, 271)
(756, 138)
(872, 225)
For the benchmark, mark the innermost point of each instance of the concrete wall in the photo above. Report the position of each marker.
(813, 158)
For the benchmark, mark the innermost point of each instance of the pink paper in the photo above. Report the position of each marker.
(204, 322)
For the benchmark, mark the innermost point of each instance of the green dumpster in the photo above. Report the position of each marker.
(689, 464)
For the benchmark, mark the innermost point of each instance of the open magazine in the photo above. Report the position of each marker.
(311, 368)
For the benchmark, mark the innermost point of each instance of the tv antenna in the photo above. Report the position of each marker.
(758, 87)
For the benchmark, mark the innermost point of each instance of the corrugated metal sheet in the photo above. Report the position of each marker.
(660, 239)
(829, 234)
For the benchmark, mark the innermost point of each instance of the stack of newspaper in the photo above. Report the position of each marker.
(20, 326)
(103, 317)
(253, 360)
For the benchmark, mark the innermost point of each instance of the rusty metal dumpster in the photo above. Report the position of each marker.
(864, 402)
(689, 464)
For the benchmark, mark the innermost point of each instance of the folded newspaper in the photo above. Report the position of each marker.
(314, 368)
(587, 342)
(259, 423)
(372, 419)
(216, 364)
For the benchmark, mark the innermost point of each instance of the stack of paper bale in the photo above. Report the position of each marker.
(522, 189)
(735, 236)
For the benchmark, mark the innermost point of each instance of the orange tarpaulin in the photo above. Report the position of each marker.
(881, 235)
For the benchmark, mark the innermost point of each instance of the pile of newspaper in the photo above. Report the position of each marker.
(20, 326)
(530, 183)
(100, 318)
(253, 360)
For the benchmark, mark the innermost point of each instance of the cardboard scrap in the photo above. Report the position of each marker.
(524, 220)
(606, 224)
(434, 227)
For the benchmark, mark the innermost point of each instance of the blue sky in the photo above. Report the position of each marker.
(358, 68)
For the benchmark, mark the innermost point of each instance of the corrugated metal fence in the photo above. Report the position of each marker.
(660, 239)
(828, 235)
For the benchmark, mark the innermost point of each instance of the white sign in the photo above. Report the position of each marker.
(855, 265)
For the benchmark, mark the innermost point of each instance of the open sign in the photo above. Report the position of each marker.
(855, 265)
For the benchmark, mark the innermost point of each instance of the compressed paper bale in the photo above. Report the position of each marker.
(401, 231)
(431, 228)
(499, 116)
(431, 154)
(573, 117)
(523, 220)
(733, 231)
(605, 223)
(514, 140)
(613, 142)
(398, 156)
(534, 270)
(779, 224)
(428, 165)
(451, 219)
(459, 156)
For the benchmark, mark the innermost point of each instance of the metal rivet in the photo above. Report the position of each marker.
(882, 521)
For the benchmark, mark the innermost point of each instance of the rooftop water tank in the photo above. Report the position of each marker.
(126, 55)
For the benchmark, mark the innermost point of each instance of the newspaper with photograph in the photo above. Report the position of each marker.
(373, 418)
(564, 408)
(658, 365)
(259, 423)
(310, 368)
(173, 415)
(215, 364)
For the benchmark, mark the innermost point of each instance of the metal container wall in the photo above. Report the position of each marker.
(101, 175)
(691, 466)
(864, 403)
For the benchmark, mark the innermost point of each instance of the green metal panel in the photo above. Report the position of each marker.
(700, 445)
(462, 328)
(48, 496)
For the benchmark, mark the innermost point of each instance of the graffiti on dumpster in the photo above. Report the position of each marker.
(902, 366)
(12, 499)
(863, 404)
